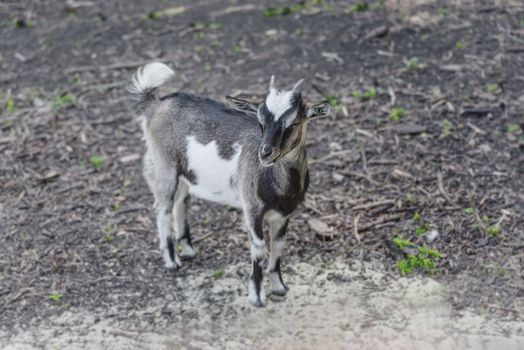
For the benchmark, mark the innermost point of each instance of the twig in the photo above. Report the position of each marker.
(441, 188)
(374, 204)
(330, 155)
(381, 222)
(199, 239)
(355, 227)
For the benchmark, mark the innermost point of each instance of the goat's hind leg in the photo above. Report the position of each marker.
(164, 186)
(182, 233)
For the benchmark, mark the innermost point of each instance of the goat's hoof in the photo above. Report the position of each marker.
(173, 266)
(187, 253)
(278, 295)
(257, 301)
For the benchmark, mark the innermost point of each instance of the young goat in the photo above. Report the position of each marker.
(251, 156)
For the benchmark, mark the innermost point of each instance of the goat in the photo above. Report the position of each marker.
(248, 155)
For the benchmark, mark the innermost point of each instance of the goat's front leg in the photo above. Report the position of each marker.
(277, 231)
(254, 220)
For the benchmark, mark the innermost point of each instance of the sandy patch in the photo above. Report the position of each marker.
(331, 307)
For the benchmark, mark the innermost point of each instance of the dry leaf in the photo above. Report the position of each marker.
(320, 228)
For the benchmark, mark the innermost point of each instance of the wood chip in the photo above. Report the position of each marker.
(130, 158)
(321, 228)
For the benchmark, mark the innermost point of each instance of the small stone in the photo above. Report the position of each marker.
(338, 177)
(431, 236)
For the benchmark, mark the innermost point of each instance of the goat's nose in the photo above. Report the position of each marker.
(266, 151)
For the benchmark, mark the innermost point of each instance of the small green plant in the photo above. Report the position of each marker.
(358, 7)
(370, 93)
(63, 101)
(493, 230)
(412, 63)
(404, 267)
(396, 113)
(512, 128)
(55, 297)
(469, 211)
(97, 161)
(430, 252)
(442, 11)
(218, 274)
(21, 23)
(410, 198)
(199, 35)
(422, 229)
(485, 218)
(402, 243)
(333, 101)
(237, 49)
(447, 128)
(109, 239)
(10, 106)
(491, 88)
(459, 45)
(153, 15)
(283, 10)
(417, 217)
(425, 260)
(366, 95)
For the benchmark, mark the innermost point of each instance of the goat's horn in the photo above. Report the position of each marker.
(298, 86)
(272, 83)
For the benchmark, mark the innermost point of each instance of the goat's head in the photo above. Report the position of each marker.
(283, 117)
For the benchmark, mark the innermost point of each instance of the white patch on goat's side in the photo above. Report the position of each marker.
(278, 102)
(213, 173)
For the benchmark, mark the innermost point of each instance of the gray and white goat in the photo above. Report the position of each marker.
(250, 156)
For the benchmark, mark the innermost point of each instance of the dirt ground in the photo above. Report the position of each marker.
(426, 144)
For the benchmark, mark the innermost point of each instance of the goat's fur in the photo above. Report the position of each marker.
(201, 147)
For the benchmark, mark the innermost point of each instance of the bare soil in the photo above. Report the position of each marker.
(78, 236)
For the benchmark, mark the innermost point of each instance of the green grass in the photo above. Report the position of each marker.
(459, 45)
(417, 217)
(413, 63)
(402, 243)
(283, 10)
(425, 260)
(10, 106)
(447, 128)
(494, 230)
(366, 95)
(442, 11)
(491, 88)
(21, 23)
(97, 161)
(469, 211)
(55, 297)
(422, 229)
(396, 113)
(511, 129)
(333, 101)
(64, 100)
(358, 7)
(218, 274)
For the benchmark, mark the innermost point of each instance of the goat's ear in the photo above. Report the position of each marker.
(319, 110)
(242, 105)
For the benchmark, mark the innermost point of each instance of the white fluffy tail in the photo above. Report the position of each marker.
(148, 78)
